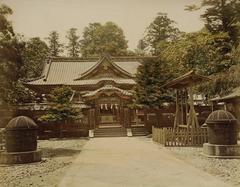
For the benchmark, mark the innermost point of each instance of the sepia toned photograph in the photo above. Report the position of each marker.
(119, 93)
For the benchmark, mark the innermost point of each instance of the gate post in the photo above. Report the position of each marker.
(127, 118)
(91, 122)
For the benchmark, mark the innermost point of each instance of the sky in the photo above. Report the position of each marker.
(34, 18)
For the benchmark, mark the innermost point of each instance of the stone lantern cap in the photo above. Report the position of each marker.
(21, 123)
(220, 117)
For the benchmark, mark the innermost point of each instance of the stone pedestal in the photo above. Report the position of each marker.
(221, 151)
(20, 157)
(129, 132)
(91, 133)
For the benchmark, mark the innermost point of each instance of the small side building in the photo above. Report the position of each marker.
(231, 102)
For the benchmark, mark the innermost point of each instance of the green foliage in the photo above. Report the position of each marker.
(151, 75)
(99, 39)
(73, 46)
(61, 107)
(141, 48)
(34, 55)
(222, 83)
(203, 51)
(221, 16)
(11, 62)
(19, 94)
(55, 47)
(236, 55)
(6, 30)
(160, 32)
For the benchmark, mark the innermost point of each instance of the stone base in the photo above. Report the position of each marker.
(91, 133)
(20, 157)
(221, 151)
(129, 132)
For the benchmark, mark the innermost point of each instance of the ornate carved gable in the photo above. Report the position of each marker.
(105, 68)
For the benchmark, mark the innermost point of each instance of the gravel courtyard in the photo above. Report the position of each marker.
(227, 170)
(135, 161)
(58, 155)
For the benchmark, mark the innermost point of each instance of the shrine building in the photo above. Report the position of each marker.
(103, 86)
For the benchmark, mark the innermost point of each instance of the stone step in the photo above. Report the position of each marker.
(139, 131)
(109, 135)
(110, 132)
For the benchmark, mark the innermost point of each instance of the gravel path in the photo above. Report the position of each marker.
(133, 162)
(227, 170)
(58, 155)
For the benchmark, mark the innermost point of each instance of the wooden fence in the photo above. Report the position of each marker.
(68, 129)
(179, 137)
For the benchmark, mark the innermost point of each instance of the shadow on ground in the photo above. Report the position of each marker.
(58, 152)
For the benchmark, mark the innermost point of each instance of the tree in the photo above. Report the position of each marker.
(73, 46)
(55, 47)
(141, 48)
(107, 38)
(221, 83)
(151, 76)
(34, 55)
(61, 108)
(202, 51)
(6, 30)
(221, 16)
(160, 32)
(11, 62)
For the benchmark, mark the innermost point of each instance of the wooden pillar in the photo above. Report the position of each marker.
(127, 118)
(145, 117)
(193, 122)
(91, 118)
(177, 113)
(97, 117)
(121, 116)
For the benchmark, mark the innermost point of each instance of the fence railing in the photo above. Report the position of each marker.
(180, 137)
(68, 129)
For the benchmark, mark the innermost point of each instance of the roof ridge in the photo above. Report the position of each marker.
(74, 59)
(86, 59)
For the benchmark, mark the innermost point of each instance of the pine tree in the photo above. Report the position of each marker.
(221, 16)
(73, 46)
(159, 32)
(151, 76)
(55, 47)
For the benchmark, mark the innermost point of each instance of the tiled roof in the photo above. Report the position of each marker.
(186, 80)
(65, 71)
(107, 87)
(129, 66)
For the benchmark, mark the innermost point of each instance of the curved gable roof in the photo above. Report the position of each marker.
(60, 71)
(126, 68)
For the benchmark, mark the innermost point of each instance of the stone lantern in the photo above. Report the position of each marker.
(222, 135)
(21, 142)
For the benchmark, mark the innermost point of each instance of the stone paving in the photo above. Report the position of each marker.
(133, 162)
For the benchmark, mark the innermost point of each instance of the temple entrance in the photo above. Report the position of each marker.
(109, 115)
